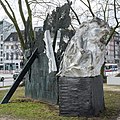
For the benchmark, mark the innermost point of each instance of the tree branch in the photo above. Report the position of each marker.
(11, 10)
(84, 3)
(21, 12)
(13, 19)
(90, 8)
(30, 20)
(111, 34)
(115, 13)
(113, 31)
(74, 12)
(6, 11)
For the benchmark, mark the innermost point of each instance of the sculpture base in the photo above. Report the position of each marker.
(80, 96)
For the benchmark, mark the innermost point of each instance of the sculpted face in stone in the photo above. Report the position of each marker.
(84, 54)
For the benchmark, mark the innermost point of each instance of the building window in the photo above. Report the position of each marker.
(7, 47)
(1, 60)
(7, 56)
(1, 53)
(11, 56)
(11, 39)
(17, 66)
(12, 47)
(6, 67)
(117, 43)
(116, 53)
(1, 38)
(1, 46)
(16, 56)
(16, 46)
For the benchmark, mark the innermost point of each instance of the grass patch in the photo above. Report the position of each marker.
(112, 104)
(27, 109)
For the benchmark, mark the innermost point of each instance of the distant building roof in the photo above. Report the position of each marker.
(36, 29)
(12, 37)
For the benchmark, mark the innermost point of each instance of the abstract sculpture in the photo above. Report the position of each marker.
(84, 54)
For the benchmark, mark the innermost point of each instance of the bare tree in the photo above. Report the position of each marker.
(116, 19)
(11, 14)
(105, 9)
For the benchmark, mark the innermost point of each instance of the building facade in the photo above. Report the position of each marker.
(5, 29)
(13, 57)
(113, 50)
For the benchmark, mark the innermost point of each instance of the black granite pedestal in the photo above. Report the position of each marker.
(81, 96)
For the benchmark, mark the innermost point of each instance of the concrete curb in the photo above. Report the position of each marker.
(5, 88)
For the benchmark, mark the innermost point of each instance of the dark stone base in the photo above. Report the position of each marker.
(80, 96)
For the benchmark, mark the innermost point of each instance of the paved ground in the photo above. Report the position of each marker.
(8, 80)
(5, 88)
(111, 88)
(9, 118)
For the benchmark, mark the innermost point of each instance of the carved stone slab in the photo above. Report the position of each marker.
(80, 96)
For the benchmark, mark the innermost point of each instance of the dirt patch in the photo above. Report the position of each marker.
(9, 118)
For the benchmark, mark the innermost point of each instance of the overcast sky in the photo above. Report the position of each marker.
(77, 6)
(36, 21)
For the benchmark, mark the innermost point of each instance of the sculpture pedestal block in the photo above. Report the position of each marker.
(80, 96)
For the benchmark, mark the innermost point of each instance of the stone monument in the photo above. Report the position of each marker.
(80, 83)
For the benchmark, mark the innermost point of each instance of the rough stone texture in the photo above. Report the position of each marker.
(39, 83)
(80, 96)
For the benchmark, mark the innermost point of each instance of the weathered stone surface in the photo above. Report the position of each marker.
(40, 84)
(84, 54)
(81, 96)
